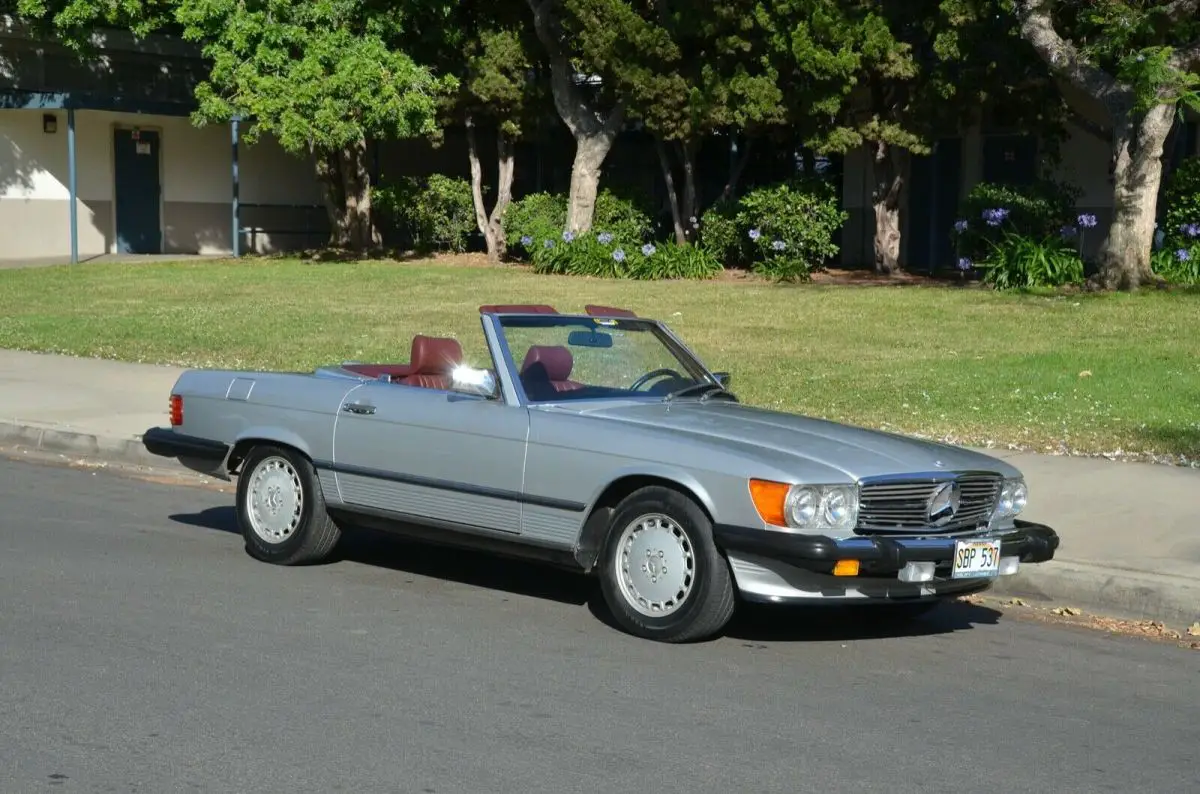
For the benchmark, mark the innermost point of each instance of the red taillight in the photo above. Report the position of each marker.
(176, 410)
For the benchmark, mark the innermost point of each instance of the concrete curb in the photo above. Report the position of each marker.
(1136, 595)
(49, 438)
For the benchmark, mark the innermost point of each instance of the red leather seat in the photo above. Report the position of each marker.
(607, 311)
(549, 364)
(433, 359)
(517, 308)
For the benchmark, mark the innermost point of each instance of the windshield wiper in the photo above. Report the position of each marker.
(708, 390)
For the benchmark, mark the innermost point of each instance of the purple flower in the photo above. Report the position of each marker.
(964, 263)
(1183, 255)
(526, 241)
(619, 255)
(548, 244)
(648, 249)
(1087, 221)
(960, 226)
(995, 217)
(568, 236)
(755, 234)
(1190, 229)
(779, 245)
(604, 237)
(1068, 231)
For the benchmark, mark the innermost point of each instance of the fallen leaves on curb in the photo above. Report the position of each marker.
(1073, 616)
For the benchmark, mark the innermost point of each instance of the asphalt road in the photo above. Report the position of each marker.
(142, 650)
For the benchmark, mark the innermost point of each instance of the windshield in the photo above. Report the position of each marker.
(573, 358)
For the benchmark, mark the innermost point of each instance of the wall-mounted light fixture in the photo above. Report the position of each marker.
(49, 123)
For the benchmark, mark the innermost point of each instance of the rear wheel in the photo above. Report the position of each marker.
(662, 576)
(281, 510)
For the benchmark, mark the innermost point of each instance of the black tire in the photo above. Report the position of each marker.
(707, 606)
(314, 535)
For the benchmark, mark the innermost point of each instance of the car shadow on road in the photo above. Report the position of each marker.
(752, 623)
(365, 546)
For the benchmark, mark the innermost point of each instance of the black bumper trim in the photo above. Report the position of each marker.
(166, 443)
(1030, 542)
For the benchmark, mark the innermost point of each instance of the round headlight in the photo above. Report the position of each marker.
(838, 506)
(1020, 496)
(802, 504)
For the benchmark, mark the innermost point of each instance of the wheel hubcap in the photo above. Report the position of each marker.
(276, 500)
(655, 565)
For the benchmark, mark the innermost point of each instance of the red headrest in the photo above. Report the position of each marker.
(517, 308)
(556, 361)
(607, 311)
(434, 355)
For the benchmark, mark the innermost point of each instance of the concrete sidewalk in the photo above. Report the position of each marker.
(1130, 531)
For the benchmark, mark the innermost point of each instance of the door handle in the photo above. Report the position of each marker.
(358, 408)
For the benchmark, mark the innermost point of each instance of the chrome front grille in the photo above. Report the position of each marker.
(902, 505)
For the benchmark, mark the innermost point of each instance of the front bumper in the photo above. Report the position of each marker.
(783, 567)
(880, 555)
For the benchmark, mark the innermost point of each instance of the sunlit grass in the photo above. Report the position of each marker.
(1089, 373)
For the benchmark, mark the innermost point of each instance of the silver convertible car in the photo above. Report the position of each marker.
(600, 442)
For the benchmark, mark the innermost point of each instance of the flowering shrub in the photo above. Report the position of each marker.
(1017, 261)
(784, 231)
(1178, 259)
(542, 216)
(604, 255)
(989, 210)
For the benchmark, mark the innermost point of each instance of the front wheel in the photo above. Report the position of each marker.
(281, 510)
(662, 576)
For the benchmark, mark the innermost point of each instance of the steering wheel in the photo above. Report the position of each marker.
(654, 374)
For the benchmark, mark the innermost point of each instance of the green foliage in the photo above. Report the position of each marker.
(1181, 221)
(719, 234)
(74, 21)
(538, 217)
(1017, 261)
(1178, 265)
(438, 215)
(791, 227)
(992, 210)
(320, 75)
(600, 255)
(784, 231)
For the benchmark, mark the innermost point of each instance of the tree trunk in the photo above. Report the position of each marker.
(329, 174)
(357, 180)
(737, 166)
(683, 208)
(1137, 174)
(347, 195)
(691, 199)
(668, 172)
(889, 171)
(590, 153)
(594, 132)
(491, 226)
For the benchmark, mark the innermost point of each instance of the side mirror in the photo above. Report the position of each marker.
(468, 380)
(723, 378)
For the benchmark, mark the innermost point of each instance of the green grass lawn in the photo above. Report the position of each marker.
(1092, 374)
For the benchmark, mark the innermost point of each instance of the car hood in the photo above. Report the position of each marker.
(854, 451)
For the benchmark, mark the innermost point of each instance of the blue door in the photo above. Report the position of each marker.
(135, 171)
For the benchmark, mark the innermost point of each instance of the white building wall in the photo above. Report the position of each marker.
(196, 179)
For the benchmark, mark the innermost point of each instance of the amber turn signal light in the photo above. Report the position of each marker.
(845, 568)
(769, 499)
